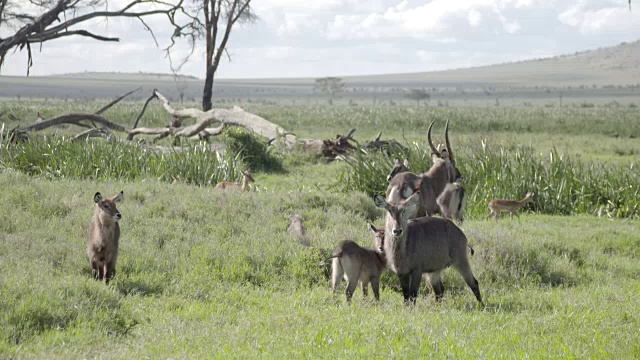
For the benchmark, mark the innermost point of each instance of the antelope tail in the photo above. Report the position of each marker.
(327, 259)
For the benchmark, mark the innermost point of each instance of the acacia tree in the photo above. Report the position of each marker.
(38, 21)
(418, 95)
(213, 21)
(330, 86)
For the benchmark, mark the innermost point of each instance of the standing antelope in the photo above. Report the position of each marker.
(104, 236)
(452, 202)
(358, 264)
(246, 178)
(512, 206)
(424, 245)
(430, 184)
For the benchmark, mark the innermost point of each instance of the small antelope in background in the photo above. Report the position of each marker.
(452, 202)
(244, 186)
(104, 236)
(357, 264)
(424, 245)
(512, 206)
(298, 230)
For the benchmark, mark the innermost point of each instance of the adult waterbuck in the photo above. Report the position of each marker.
(104, 236)
(431, 183)
(452, 202)
(424, 245)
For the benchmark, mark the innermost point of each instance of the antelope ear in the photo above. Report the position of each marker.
(406, 163)
(97, 197)
(371, 227)
(380, 202)
(396, 162)
(119, 197)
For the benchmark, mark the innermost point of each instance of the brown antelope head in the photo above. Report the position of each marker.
(379, 233)
(445, 156)
(398, 167)
(247, 173)
(398, 213)
(108, 206)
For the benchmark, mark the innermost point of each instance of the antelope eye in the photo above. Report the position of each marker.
(107, 206)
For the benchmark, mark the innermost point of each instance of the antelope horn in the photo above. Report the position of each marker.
(446, 139)
(433, 148)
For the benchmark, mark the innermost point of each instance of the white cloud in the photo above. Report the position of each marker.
(341, 37)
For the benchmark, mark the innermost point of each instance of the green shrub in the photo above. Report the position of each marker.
(59, 158)
(561, 184)
(254, 150)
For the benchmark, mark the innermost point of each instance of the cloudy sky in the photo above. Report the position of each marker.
(313, 38)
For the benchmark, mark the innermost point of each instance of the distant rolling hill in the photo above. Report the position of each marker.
(611, 67)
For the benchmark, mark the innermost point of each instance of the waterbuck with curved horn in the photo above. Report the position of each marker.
(424, 245)
(431, 183)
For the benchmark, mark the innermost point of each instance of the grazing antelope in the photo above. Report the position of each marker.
(424, 245)
(244, 186)
(297, 229)
(104, 236)
(452, 202)
(358, 264)
(512, 206)
(430, 184)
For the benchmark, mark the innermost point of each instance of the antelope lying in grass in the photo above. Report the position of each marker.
(452, 202)
(244, 186)
(298, 230)
(104, 236)
(512, 206)
(358, 264)
(424, 245)
(430, 184)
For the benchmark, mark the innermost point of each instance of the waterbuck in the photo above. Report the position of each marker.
(512, 206)
(430, 184)
(104, 235)
(452, 202)
(424, 245)
(357, 264)
(297, 229)
(244, 186)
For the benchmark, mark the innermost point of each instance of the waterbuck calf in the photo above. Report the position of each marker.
(357, 264)
(430, 184)
(452, 202)
(244, 186)
(104, 236)
(512, 206)
(424, 245)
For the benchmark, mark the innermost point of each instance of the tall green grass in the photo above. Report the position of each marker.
(56, 157)
(562, 185)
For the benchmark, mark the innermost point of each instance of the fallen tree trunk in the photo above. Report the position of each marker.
(235, 116)
(75, 119)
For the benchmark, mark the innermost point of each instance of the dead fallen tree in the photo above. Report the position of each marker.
(234, 116)
(330, 149)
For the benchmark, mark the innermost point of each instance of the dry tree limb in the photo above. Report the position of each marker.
(95, 132)
(235, 116)
(144, 108)
(74, 119)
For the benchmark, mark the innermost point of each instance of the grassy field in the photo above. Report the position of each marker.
(203, 273)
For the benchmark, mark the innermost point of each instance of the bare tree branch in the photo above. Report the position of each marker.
(68, 14)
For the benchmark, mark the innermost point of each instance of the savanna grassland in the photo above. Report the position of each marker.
(210, 274)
